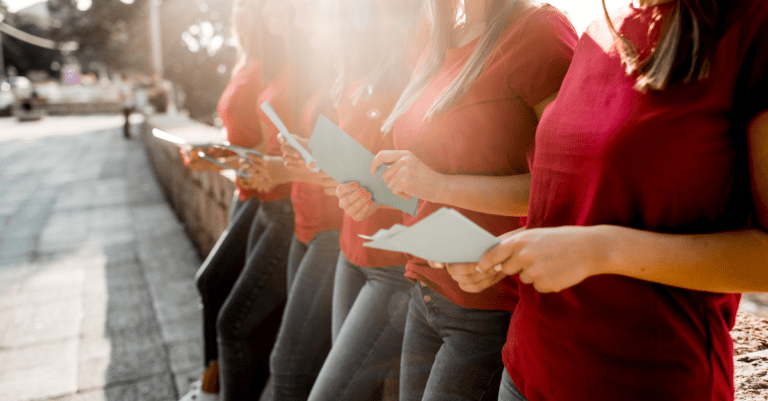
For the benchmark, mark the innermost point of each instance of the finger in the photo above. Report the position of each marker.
(343, 189)
(352, 198)
(461, 269)
(281, 139)
(499, 254)
(364, 211)
(357, 209)
(481, 285)
(386, 157)
(436, 265)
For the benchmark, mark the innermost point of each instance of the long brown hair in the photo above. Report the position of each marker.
(254, 42)
(444, 16)
(685, 49)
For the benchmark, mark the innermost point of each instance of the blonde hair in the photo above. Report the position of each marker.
(444, 17)
(685, 48)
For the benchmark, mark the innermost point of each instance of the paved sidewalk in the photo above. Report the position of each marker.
(97, 299)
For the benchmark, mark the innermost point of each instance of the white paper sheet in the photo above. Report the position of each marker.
(444, 236)
(272, 114)
(346, 160)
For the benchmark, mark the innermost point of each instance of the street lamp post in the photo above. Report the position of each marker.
(154, 34)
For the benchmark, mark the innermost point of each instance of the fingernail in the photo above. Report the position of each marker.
(477, 267)
(354, 185)
(498, 267)
(368, 195)
(362, 191)
(370, 202)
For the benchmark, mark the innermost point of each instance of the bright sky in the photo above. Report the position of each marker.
(582, 12)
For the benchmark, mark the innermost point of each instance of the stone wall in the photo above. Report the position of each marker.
(201, 200)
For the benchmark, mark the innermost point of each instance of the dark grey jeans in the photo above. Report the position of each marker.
(369, 308)
(305, 332)
(451, 353)
(248, 316)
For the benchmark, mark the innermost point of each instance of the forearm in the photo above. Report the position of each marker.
(734, 261)
(505, 195)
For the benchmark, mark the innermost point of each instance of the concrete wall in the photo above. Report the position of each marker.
(201, 200)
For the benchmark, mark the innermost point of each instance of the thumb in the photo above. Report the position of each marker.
(386, 157)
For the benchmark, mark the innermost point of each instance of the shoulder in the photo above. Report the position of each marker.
(529, 18)
(540, 26)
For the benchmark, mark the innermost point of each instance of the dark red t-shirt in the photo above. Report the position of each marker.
(362, 121)
(235, 108)
(314, 211)
(275, 94)
(669, 161)
(490, 131)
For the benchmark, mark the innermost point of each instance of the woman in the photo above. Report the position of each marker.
(305, 333)
(371, 294)
(463, 128)
(648, 209)
(242, 281)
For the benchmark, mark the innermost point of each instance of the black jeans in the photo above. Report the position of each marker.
(243, 299)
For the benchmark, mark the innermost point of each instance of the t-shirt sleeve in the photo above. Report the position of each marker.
(540, 54)
(752, 87)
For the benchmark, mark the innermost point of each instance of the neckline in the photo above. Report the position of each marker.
(459, 51)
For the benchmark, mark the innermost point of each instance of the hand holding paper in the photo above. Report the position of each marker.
(355, 201)
(286, 135)
(444, 236)
(406, 175)
(345, 160)
(238, 150)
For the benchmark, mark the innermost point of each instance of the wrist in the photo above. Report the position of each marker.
(441, 189)
(609, 255)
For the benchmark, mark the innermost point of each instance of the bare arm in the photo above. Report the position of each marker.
(553, 259)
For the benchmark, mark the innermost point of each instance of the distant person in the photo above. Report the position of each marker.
(128, 101)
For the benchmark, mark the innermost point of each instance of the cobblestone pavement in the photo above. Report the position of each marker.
(97, 299)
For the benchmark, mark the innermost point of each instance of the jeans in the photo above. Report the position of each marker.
(367, 346)
(247, 321)
(218, 273)
(451, 352)
(508, 391)
(305, 333)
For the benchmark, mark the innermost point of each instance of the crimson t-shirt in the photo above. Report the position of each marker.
(670, 161)
(490, 131)
(362, 121)
(275, 94)
(314, 211)
(235, 108)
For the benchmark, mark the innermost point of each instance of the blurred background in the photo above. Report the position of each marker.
(101, 42)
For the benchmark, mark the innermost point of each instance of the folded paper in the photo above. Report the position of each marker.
(444, 236)
(292, 142)
(239, 150)
(346, 160)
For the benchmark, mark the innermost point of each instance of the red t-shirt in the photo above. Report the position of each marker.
(274, 93)
(670, 161)
(235, 108)
(313, 210)
(490, 131)
(362, 121)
